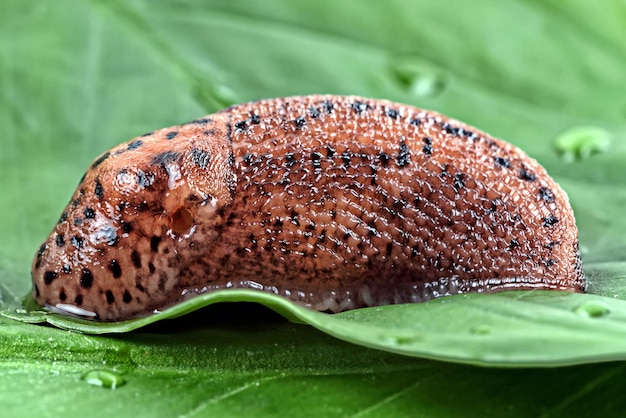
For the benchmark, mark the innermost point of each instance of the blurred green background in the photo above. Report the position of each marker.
(77, 77)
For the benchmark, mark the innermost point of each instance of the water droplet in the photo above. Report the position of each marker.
(480, 330)
(225, 94)
(399, 339)
(403, 340)
(104, 378)
(418, 76)
(592, 310)
(581, 142)
(214, 95)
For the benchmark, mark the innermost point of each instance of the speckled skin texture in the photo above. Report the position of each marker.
(333, 202)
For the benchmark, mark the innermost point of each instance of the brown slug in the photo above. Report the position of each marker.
(333, 202)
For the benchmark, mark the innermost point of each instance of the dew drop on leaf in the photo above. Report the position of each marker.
(418, 76)
(592, 310)
(399, 339)
(581, 142)
(480, 330)
(104, 378)
(403, 340)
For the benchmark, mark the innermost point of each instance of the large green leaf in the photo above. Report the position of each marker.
(79, 77)
(514, 329)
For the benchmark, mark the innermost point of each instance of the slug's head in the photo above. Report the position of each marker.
(129, 230)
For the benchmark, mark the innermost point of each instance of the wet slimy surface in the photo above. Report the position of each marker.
(333, 202)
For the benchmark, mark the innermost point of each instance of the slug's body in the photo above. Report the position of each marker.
(334, 202)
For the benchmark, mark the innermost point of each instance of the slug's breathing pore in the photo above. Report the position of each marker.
(333, 202)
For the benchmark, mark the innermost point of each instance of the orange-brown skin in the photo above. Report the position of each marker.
(333, 202)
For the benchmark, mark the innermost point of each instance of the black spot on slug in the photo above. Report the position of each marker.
(294, 218)
(346, 158)
(241, 125)
(427, 149)
(467, 134)
(404, 155)
(165, 158)
(63, 218)
(328, 106)
(248, 158)
(549, 262)
(67, 269)
(300, 121)
(550, 221)
(77, 241)
(314, 112)
(229, 132)
(100, 160)
(330, 151)
(527, 175)
(136, 258)
(359, 107)
(171, 135)
(200, 157)
(546, 194)
(62, 295)
(60, 240)
(384, 158)
(459, 181)
(316, 157)
(86, 279)
(552, 244)
(200, 121)
(115, 268)
(503, 162)
(290, 159)
(514, 243)
(134, 145)
(127, 298)
(98, 190)
(154, 243)
(392, 113)
(78, 300)
(49, 277)
(415, 121)
(389, 249)
(110, 297)
(450, 129)
(127, 228)
(89, 213)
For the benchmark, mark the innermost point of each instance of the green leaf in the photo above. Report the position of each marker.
(514, 329)
(79, 77)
